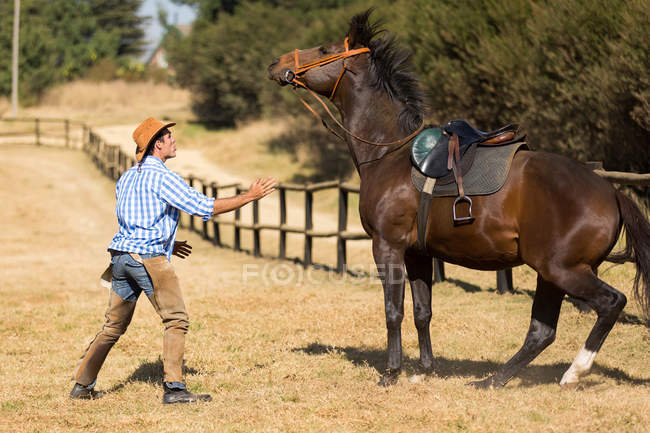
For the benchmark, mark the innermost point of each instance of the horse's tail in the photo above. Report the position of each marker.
(637, 249)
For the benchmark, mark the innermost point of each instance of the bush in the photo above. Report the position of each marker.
(573, 74)
(224, 64)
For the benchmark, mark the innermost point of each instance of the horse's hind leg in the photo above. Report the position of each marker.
(608, 304)
(541, 333)
(420, 274)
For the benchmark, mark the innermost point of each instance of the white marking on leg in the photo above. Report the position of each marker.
(581, 366)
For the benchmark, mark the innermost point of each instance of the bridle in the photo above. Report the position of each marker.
(292, 77)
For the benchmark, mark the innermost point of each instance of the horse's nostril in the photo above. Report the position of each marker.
(275, 62)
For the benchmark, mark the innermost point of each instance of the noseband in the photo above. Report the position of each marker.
(292, 77)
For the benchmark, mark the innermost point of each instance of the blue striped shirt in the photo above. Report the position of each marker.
(149, 201)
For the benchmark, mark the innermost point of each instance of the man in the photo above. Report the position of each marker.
(149, 200)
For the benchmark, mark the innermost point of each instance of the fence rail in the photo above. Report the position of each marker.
(112, 161)
(44, 130)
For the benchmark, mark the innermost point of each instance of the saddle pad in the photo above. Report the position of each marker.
(487, 175)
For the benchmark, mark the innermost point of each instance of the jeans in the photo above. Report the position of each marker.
(130, 277)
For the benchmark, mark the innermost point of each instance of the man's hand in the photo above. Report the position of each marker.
(257, 190)
(182, 249)
(261, 188)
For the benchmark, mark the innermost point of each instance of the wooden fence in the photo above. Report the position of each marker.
(54, 132)
(112, 161)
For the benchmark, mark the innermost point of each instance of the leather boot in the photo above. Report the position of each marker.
(182, 395)
(85, 392)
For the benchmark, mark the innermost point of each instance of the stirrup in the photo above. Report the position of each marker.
(467, 219)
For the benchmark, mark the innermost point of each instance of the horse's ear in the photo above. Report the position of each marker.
(361, 31)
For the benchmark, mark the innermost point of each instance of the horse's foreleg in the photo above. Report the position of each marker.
(541, 333)
(390, 266)
(420, 275)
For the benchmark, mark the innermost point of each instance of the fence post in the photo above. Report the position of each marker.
(121, 163)
(256, 231)
(237, 231)
(84, 135)
(309, 224)
(110, 156)
(341, 250)
(67, 133)
(92, 148)
(116, 156)
(37, 131)
(204, 188)
(191, 182)
(438, 270)
(283, 222)
(215, 223)
(101, 154)
(504, 281)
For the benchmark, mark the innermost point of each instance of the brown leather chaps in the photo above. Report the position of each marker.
(167, 300)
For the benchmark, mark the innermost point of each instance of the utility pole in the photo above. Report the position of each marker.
(14, 61)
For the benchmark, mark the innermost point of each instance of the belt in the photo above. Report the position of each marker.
(143, 256)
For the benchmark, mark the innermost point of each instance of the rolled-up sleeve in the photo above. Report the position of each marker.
(177, 193)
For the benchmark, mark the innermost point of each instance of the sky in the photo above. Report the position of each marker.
(175, 14)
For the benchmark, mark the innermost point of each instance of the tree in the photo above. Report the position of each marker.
(119, 19)
(76, 39)
(224, 63)
(574, 74)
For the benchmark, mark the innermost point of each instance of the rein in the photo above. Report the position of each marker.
(324, 61)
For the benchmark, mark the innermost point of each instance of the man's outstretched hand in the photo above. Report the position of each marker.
(258, 189)
(261, 188)
(181, 249)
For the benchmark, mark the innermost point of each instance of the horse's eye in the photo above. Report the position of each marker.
(322, 50)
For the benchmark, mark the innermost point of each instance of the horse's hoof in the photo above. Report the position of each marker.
(488, 383)
(389, 378)
(569, 386)
(426, 370)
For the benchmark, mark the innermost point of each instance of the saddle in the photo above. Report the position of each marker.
(444, 154)
(435, 149)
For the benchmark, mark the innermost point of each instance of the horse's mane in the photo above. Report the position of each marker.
(390, 67)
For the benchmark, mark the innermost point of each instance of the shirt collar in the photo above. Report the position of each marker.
(153, 160)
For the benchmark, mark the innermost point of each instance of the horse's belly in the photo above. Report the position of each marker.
(490, 242)
(484, 254)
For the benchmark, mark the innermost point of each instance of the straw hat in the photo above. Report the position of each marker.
(146, 132)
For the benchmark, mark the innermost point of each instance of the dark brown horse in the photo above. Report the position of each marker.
(552, 214)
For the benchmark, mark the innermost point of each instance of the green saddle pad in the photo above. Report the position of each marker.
(487, 175)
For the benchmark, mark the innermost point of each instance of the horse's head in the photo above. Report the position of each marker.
(376, 59)
(321, 68)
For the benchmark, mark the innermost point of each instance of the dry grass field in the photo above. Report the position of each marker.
(112, 102)
(279, 349)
